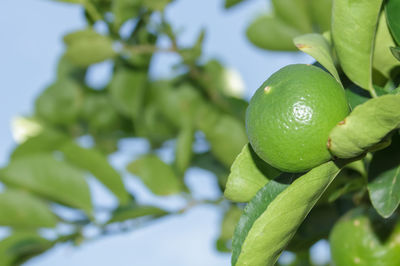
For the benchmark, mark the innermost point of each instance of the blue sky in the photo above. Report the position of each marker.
(31, 33)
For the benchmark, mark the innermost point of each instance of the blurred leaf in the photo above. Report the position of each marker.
(20, 246)
(158, 176)
(248, 174)
(294, 13)
(86, 47)
(392, 13)
(127, 90)
(68, 70)
(384, 179)
(192, 54)
(47, 141)
(225, 133)
(229, 222)
(275, 222)
(270, 33)
(20, 209)
(135, 211)
(353, 31)
(99, 113)
(124, 10)
(60, 103)
(156, 5)
(97, 164)
(395, 52)
(383, 59)
(184, 150)
(44, 175)
(321, 14)
(365, 127)
(208, 162)
(179, 104)
(318, 47)
(258, 204)
(232, 3)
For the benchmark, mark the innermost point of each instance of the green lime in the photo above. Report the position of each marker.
(290, 116)
(362, 238)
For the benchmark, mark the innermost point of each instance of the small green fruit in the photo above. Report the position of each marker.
(290, 116)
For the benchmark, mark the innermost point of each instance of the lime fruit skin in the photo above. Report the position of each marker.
(289, 117)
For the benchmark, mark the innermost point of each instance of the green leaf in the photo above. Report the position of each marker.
(392, 13)
(135, 211)
(208, 162)
(60, 103)
(294, 13)
(321, 14)
(248, 175)
(158, 176)
(97, 164)
(20, 209)
(156, 5)
(226, 134)
(271, 33)
(87, 47)
(365, 127)
(99, 113)
(356, 95)
(68, 70)
(184, 150)
(127, 90)
(395, 52)
(20, 246)
(47, 141)
(232, 3)
(353, 30)
(231, 218)
(276, 225)
(124, 10)
(318, 47)
(384, 179)
(258, 204)
(44, 175)
(383, 59)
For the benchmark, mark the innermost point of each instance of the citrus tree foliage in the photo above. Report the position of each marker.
(353, 198)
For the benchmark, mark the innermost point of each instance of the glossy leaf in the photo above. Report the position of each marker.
(383, 59)
(353, 30)
(273, 229)
(365, 127)
(127, 91)
(98, 165)
(384, 179)
(136, 211)
(20, 209)
(271, 33)
(87, 47)
(158, 176)
(44, 175)
(318, 47)
(248, 175)
(294, 13)
(258, 204)
(60, 103)
(20, 246)
(184, 150)
(395, 52)
(392, 12)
